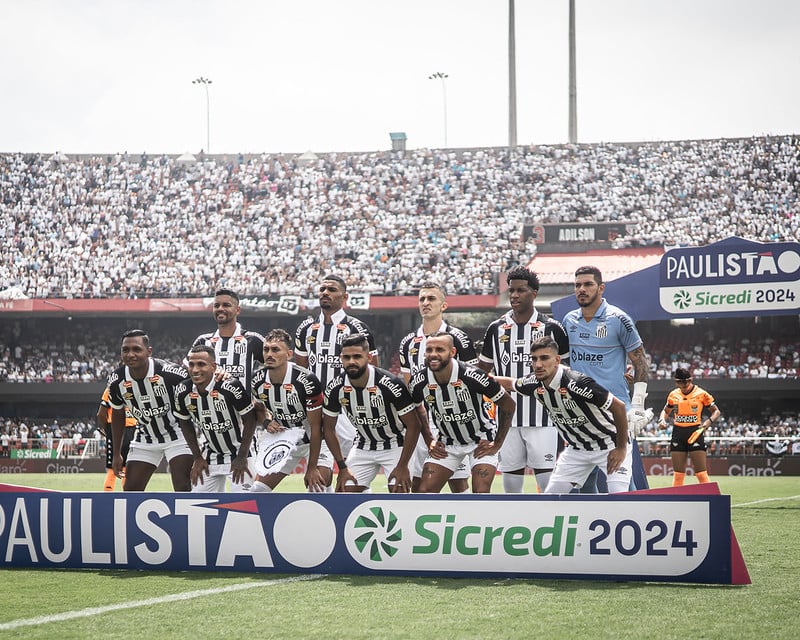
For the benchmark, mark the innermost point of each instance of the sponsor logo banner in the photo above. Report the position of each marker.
(34, 454)
(671, 538)
(730, 276)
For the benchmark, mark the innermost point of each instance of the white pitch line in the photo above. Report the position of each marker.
(747, 504)
(175, 597)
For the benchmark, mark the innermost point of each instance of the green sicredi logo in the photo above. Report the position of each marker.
(382, 532)
(449, 537)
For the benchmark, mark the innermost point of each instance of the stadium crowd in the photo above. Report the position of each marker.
(120, 226)
(63, 353)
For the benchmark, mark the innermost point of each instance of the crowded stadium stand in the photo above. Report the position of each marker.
(132, 227)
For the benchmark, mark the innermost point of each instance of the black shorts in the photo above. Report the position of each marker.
(127, 436)
(680, 440)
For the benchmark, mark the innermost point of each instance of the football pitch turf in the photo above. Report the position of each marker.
(41, 603)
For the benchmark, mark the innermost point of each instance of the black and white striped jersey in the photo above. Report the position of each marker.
(374, 410)
(322, 343)
(218, 411)
(298, 394)
(238, 354)
(457, 407)
(579, 407)
(412, 348)
(150, 400)
(507, 347)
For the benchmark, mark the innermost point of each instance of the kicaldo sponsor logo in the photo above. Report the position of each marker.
(648, 538)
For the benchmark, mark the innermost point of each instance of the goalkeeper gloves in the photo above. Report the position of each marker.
(638, 416)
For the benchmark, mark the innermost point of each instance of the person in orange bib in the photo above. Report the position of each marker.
(688, 426)
(104, 424)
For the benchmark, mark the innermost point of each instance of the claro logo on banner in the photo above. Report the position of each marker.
(668, 538)
(746, 276)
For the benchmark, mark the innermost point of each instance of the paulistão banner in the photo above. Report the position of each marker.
(640, 536)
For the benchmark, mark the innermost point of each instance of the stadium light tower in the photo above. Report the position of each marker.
(442, 76)
(573, 91)
(205, 82)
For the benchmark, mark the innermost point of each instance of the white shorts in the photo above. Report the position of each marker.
(532, 447)
(218, 475)
(365, 465)
(421, 454)
(458, 454)
(325, 458)
(156, 452)
(346, 433)
(575, 465)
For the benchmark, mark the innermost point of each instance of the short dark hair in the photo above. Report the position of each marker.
(338, 280)
(279, 335)
(227, 292)
(682, 374)
(356, 340)
(137, 333)
(545, 342)
(433, 285)
(204, 348)
(523, 273)
(591, 271)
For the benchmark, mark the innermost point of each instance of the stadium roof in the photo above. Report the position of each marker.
(559, 268)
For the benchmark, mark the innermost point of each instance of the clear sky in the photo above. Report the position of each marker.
(339, 75)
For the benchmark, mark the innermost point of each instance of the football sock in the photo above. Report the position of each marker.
(542, 478)
(702, 476)
(677, 478)
(513, 483)
(260, 487)
(111, 480)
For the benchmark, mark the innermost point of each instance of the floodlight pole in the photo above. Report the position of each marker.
(205, 82)
(442, 76)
